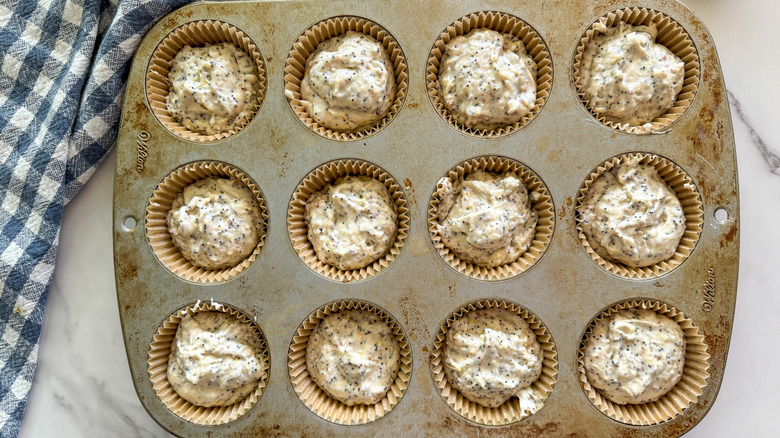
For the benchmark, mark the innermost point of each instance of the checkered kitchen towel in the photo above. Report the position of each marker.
(63, 64)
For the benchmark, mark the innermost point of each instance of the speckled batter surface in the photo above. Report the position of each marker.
(213, 88)
(215, 360)
(352, 222)
(486, 218)
(487, 79)
(353, 356)
(349, 82)
(215, 222)
(630, 216)
(492, 355)
(635, 356)
(627, 77)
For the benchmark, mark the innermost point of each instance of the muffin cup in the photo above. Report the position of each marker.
(317, 180)
(673, 37)
(540, 201)
(159, 237)
(197, 34)
(682, 186)
(509, 412)
(674, 402)
(320, 402)
(160, 350)
(295, 67)
(505, 24)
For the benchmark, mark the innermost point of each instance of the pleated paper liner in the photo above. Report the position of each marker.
(159, 237)
(505, 24)
(307, 43)
(197, 34)
(509, 412)
(673, 37)
(319, 179)
(685, 393)
(540, 201)
(685, 190)
(321, 403)
(160, 350)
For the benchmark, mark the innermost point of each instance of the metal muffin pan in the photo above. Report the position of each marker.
(565, 289)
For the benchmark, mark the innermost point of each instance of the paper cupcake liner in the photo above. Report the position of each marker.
(673, 37)
(197, 34)
(159, 237)
(160, 349)
(685, 190)
(509, 412)
(687, 390)
(505, 24)
(307, 43)
(317, 180)
(321, 403)
(542, 204)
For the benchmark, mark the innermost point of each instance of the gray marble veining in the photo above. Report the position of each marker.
(771, 158)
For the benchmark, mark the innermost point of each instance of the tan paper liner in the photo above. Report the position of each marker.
(542, 204)
(687, 390)
(502, 23)
(685, 190)
(317, 180)
(320, 402)
(197, 34)
(509, 412)
(159, 237)
(307, 43)
(671, 35)
(160, 349)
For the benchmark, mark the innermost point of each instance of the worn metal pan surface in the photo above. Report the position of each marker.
(565, 289)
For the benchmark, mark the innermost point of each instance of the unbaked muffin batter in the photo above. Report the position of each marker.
(628, 78)
(213, 88)
(630, 216)
(486, 219)
(351, 223)
(215, 360)
(487, 79)
(215, 222)
(492, 355)
(353, 356)
(635, 356)
(348, 83)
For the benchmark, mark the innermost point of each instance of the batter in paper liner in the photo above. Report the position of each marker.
(353, 356)
(351, 223)
(630, 216)
(213, 88)
(348, 82)
(485, 218)
(487, 79)
(635, 356)
(215, 360)
(628, 78)
(215, 222)
(492, 355)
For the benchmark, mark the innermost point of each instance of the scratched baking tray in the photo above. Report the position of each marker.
(565, 289)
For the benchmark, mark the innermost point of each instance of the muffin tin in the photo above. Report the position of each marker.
(564, 288)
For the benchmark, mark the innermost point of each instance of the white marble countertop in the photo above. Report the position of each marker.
(76, 394)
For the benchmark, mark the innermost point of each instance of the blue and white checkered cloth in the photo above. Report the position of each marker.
(63, 65)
